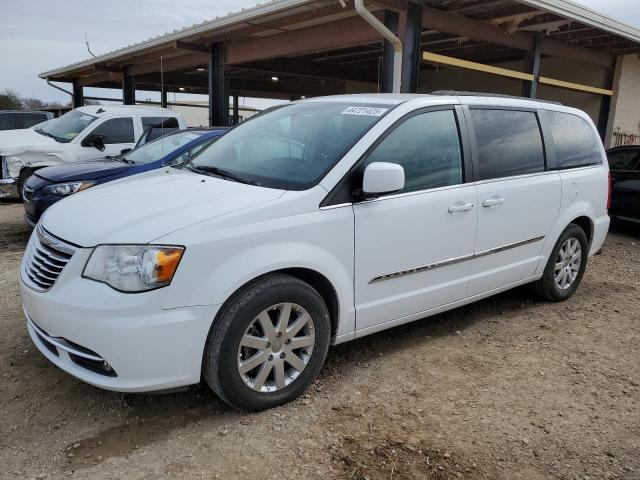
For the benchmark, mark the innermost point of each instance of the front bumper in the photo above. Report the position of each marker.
(8, 188)
(146, 348)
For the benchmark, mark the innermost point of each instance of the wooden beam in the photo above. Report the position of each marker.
(340, 34)
(456, 62)
(101, 67)
(170, 64)
(520, 40)
(298, 68)
(194, 47)
(480, 67)
(99, 78)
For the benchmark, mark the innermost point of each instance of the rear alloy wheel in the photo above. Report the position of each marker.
(565, 267)
(267, 344)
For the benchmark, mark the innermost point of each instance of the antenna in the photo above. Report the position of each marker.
(86, 42)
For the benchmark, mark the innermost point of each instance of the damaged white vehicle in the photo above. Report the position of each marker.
(86, 133)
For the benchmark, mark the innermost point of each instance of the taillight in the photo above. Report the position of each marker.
(609, 193)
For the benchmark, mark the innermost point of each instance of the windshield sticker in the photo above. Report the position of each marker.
(368, 111)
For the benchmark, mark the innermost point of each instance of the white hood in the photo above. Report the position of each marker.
(142, 208)
(14, 142)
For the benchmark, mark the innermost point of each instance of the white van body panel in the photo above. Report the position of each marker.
(389, 260)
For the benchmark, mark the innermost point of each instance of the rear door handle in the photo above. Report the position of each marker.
(460, 207)
(493, 202)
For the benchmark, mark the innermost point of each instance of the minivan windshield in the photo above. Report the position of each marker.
(160, 147)
(290, 147)
(67, 127)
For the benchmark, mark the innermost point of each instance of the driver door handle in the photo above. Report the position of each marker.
(493, 202)
(460, 207)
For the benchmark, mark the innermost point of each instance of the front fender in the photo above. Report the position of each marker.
(214, 268)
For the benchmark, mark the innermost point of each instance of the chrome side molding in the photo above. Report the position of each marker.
(452, 261)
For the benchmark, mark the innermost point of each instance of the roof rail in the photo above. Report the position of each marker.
(455, 93)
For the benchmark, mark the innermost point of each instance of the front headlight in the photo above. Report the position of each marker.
(133, 268)
(67, 188)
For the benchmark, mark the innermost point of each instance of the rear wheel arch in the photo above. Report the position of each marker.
(586, 224)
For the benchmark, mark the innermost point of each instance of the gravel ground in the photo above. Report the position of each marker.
(506, 388)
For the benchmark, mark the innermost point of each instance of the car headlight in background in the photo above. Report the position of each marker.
(133, 268)
(67, 188)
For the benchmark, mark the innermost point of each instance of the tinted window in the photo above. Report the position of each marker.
(159, 122)
(622, 159)
(509, 143)
(116, 130)
(427, 146)
(7, 121)
(26, 120)
(577, 145)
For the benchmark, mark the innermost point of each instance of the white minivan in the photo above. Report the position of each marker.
(87, 133)
(312, 224)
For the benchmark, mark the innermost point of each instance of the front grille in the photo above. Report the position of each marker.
(44, 259)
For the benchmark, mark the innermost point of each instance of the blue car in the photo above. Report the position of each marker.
(51, 184)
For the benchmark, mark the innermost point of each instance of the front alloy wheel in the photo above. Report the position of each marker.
(268, 343)
(276, 347)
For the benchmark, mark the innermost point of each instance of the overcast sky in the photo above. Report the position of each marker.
(38, 35)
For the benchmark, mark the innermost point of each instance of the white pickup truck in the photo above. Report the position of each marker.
(85, 133)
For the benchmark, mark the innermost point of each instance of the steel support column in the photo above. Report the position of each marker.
(218, 87)
(605, 105)
(78, 95)
(532, 66)
(391, 21)
(411, 35)
(163, 97)
(128, 89)
(236, 116)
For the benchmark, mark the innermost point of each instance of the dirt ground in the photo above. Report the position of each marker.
(506, 388)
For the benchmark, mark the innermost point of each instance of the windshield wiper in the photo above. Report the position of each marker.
(221, 173)
(47, 134)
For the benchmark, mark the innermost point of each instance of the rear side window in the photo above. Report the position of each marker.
(159, 122)
(623, 159)
(116, 130)
(577, 145)
(427, 146)
(509, 143)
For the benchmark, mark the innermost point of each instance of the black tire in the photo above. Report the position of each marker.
(219, 364)
(546, 287)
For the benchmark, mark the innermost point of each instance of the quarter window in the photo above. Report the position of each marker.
(577, 145)
(509, 143)
(427, 146)
(116, 130)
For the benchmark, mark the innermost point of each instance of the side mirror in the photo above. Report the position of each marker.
(98, 142)
(382, 177)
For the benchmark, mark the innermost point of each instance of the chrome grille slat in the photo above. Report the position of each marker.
(45, 259)
(42, 266)
(42, 258)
